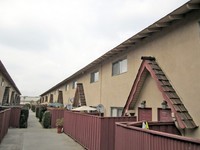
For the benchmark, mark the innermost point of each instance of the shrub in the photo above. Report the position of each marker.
(37, 111)
(24, 117)
(27, 105)
(46, 119)
(33, 108)
(42, 109)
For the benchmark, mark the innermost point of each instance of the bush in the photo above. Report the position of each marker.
(46, 119)
(24, 117)
(33, 108)
(42, 109)
(27, 105)
(37, 111)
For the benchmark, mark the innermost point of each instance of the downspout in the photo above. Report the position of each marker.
(101, 82)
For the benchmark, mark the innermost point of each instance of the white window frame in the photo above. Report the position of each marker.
(119, 67)
(94, 76)
(66, 87)
(2, 82)
(74, 84)
(199, 23)
(46, 98)
(116, 111)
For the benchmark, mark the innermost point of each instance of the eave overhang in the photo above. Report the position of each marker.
(159, 25)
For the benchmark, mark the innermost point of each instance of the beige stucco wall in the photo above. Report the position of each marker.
(153, 97)
(177, 51)
(67, 94)
(92, 90)
(115, 89)
(55, 95)
(2, 88)
(6, 83)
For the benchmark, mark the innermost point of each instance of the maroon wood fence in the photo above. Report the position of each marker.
(15, 117)
(4, 122)
(55, 114)
(132, 137)
(92, 132)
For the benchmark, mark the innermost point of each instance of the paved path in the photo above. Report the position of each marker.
(37, 138)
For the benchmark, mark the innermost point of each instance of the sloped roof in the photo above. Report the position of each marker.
(136, 39)
(79, 98)
(8, 77)
(150, 66)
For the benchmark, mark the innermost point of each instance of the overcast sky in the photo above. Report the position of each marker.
(42, 42)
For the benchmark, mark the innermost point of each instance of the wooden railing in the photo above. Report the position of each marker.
(92, 132)
(4, 122)
(160, 136)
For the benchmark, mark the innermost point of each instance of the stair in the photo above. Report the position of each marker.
(6, 96)
(79, 98)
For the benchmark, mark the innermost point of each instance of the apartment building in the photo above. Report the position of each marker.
(174, 43)
(9, 93)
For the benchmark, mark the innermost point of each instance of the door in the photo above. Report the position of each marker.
(60, 97)
(144, 114)
(164, 114)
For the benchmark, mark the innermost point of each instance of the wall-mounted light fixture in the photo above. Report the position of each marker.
(164, 104)
(143, 104)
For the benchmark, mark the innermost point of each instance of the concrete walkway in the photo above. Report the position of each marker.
(37, 138)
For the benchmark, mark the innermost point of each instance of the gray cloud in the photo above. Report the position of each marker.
(24, 38)
(43, 42)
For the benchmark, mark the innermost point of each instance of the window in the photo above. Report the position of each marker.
(116, 111)
(199, 24)
(2, 82)
(94, 77)
(66, 87)
(51, 98)
(119, 67)
(46, 99)
(74, 84)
